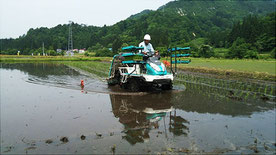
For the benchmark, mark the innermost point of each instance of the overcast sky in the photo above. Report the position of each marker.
(18, 16)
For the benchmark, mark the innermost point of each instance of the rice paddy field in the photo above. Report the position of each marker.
(245, 68)
(216, 106)
(45, 109)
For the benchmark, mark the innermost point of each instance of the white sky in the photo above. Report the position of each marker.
(18, 16)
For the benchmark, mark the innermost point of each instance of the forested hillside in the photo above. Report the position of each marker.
(204, 25)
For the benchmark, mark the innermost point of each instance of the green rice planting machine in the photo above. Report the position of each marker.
(138, 72)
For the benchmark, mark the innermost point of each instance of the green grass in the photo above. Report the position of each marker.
(27, 58)
(99, 68)
(248, 69)
(263, 66)
(254, 69)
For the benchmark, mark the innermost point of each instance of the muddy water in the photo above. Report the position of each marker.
(43, 103)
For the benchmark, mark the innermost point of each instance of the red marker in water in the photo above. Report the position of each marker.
(82, 84)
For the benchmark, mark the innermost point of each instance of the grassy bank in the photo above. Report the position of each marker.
(94, 67)
(244, 65)
(26, 58)
(252, 69)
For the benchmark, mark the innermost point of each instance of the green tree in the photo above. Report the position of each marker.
(206, 51)
(117, 43)
(51, 53)
(238, 49)
(273, 53)
(105, 52)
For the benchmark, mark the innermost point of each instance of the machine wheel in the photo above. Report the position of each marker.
(133, 85)
(167, 86)
(111, 82)
(115, 80)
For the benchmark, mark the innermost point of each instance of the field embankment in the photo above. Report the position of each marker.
(227, 68)
(27, 58)
(251, 69)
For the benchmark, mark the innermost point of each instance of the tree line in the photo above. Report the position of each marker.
(216, 27)
(248, 38)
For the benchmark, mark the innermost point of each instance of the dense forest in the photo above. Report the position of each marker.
(228, 29)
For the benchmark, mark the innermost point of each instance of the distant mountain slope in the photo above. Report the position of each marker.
(232, 8)
(185, 19)
(144, 12)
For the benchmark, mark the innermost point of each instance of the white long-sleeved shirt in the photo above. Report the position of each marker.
(147, 48)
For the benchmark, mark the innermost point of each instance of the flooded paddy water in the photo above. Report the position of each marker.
(44, 110)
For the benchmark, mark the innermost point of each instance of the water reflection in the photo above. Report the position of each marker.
(178, 125)
(140, 114)
(174, 119)
(198, 98)
(41, 70)
(206, 99)
(57, 75)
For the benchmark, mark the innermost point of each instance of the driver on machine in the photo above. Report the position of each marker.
(148, 49)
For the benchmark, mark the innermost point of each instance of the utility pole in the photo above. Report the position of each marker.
(43, 48)
(70, 37)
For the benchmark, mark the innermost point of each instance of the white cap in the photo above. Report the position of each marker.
(147, 37)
